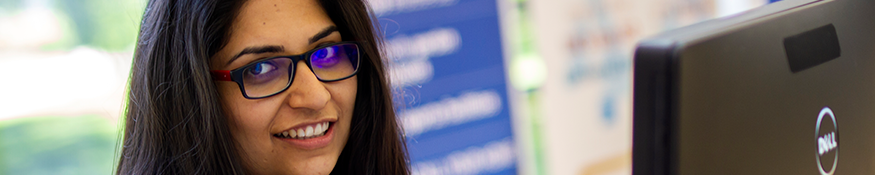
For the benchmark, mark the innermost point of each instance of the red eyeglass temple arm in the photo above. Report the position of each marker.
(221, 75)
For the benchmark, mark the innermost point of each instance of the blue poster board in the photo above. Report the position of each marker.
(448, 74)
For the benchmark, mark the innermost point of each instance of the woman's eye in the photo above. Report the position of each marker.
(325, 58)
(266, 72)
(261, 68)
(325, 52)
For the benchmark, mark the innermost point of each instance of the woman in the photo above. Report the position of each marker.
(259, 87)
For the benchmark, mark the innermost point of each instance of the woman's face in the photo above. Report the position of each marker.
(267, 28)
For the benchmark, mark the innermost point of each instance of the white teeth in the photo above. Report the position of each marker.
(306, 132)
(309, 131)
(318, 129)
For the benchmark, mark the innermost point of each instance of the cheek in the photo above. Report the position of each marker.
(249, 122)
(344, 93)
(246, 118)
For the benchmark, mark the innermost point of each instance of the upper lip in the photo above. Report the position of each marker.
(332, 120)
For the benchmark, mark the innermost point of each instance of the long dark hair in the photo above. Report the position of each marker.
(175, 124)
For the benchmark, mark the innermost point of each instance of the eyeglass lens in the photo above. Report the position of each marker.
(271, 76)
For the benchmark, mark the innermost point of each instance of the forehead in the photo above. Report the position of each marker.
(289, 23)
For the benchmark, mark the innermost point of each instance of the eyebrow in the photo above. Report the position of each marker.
(322, 34)
(256, 50)
(278, 48)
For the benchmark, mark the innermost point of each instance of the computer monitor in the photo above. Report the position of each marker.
(787, 88)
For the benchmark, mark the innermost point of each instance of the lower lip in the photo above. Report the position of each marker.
(312, 143)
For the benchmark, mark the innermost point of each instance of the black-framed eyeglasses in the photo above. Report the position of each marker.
(270, 76)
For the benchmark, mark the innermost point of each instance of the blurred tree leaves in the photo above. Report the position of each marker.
(108, 24)
(6, 5)
(58, 145)
(70, 145)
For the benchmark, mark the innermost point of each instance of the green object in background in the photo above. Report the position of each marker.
(58, 145)
(528, 73)
(110, 25)
(107, 24)
(7, 5)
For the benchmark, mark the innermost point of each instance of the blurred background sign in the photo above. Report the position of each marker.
(585, 103)
(448, 73)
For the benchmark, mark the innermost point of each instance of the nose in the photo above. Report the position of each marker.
(306, 90)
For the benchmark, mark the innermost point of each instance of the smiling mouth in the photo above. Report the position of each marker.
(305, 132)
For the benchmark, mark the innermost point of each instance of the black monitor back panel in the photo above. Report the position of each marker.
(788, 88)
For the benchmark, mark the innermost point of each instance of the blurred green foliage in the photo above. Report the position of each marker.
(10, 4)
(58, 145)
(107, 24)
(70, 145)
(110, 25)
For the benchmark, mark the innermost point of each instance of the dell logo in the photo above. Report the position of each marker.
(826, 137)
(826, 143)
